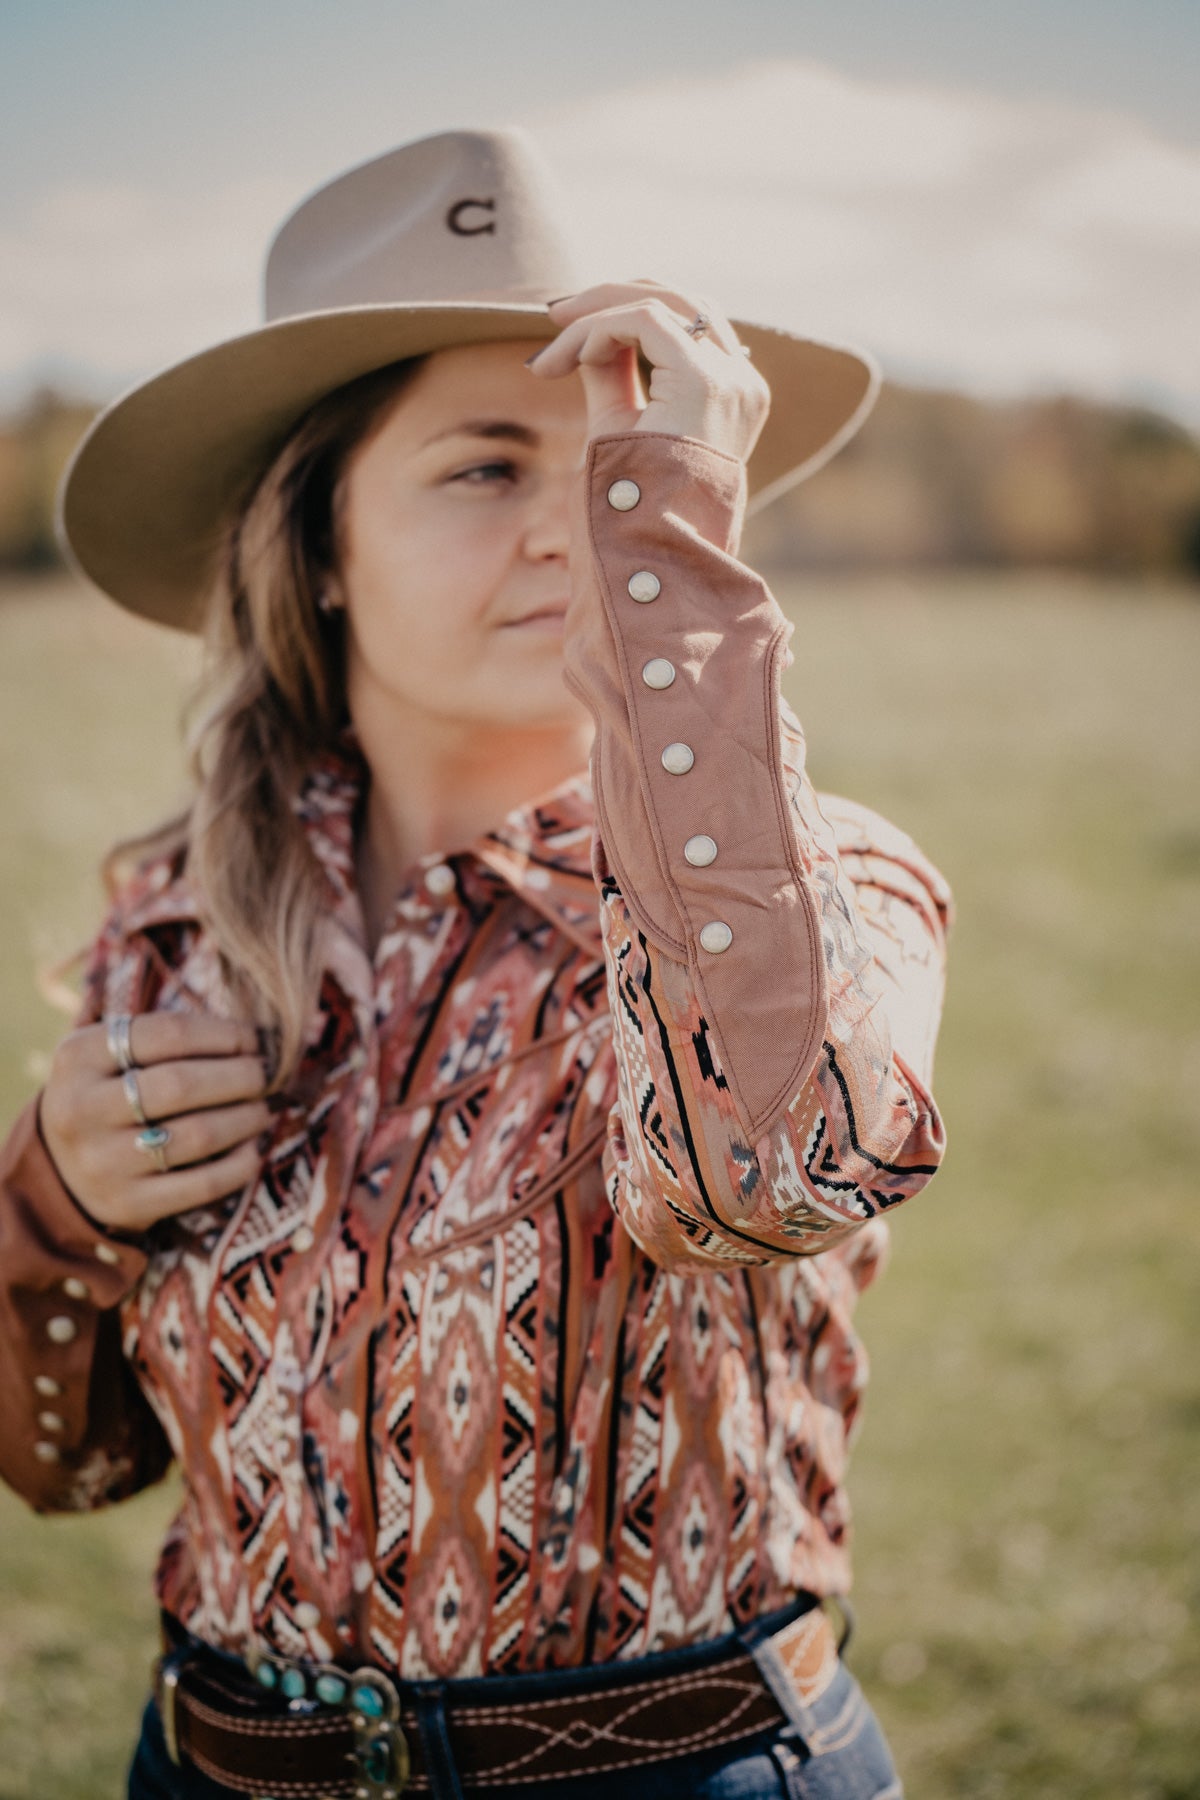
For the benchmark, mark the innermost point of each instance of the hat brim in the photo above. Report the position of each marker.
(143, 500)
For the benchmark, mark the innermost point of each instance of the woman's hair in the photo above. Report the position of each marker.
(271, 700)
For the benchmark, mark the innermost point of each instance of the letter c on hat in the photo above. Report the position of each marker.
(454, 218)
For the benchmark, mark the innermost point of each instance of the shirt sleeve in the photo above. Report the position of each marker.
(775, 963)
(76, 1432)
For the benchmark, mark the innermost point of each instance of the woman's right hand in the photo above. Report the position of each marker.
(200, 1076)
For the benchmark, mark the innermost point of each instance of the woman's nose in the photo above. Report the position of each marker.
(547, 527)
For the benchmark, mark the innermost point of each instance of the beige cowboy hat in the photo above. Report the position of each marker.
(455, 239)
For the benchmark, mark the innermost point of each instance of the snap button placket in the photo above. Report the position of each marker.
(715, 936)
(644, 587)
(441, 881)
(658, 672)
(61, 1329)
(677, 759)
(700, 850)
(623, 496)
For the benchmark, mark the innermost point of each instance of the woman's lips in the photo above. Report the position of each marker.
(547, 618)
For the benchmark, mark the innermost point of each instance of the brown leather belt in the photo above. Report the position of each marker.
(538, 1729)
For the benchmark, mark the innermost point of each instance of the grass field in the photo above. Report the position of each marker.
(1027, 1485)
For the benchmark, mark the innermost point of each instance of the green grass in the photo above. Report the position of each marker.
(1026, 1482)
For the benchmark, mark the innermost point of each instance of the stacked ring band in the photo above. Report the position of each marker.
(129, 1082)
(152, 1140)
(699, 327)
(119, 1032)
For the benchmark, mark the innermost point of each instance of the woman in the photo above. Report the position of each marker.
(465, 1163)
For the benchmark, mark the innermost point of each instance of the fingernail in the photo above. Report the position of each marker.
(561, 297)
(529, 360)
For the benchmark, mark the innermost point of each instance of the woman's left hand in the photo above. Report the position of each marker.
(700, 387)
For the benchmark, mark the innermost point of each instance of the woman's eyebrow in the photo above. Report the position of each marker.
(488, 428)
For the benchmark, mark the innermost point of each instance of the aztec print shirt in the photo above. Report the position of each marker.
(531, 1344)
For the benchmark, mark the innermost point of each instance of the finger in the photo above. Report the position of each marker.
(595, 340)
(613, 393)
(170, 1088)
(195, 1137)
(687, 307)
(168, 1036)
(179, 1190)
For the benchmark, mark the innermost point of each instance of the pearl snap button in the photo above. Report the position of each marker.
(302, 1239)
(623, 496)
(658, 672)
(716, 936)
(60, 1329)
(700, 850)
(107, 1253)
(440, 880)
(677, 759)
(51, 1422)
(76, 1289)
(47, 1452)
(307, 1615)
(47, 1387)
(644, 586)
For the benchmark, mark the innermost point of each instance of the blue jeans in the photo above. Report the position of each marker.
(843, 1756)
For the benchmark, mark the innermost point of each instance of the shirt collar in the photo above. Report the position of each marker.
(542, 850)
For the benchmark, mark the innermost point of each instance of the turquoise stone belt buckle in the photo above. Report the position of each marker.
(380, 1746)
(372, 1703)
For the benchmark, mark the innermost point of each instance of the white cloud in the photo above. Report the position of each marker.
(110, 282)
(967, 239)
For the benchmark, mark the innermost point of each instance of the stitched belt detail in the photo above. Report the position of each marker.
(613, 1728)
(247, 1741)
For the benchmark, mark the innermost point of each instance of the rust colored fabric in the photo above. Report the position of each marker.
(532, 1343)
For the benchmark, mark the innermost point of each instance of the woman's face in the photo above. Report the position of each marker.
(452, 529)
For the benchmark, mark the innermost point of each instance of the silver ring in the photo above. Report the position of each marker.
(129, 1082)
(153, 1141)
(119, 1033)
(698, 326)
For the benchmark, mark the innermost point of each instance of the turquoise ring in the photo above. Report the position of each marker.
(153, 1141)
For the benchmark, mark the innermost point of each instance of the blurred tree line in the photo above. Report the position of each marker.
(940, 478)
(935, 478)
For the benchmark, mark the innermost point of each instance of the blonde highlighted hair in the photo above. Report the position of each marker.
(271, 700)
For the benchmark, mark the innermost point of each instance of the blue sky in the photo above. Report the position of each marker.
(200, 91)
(139, 139)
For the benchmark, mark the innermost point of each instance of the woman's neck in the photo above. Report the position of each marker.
(435, 786)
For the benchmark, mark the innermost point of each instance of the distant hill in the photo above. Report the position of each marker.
(933, 479)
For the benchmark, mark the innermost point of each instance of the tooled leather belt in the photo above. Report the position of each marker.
(300, 1733)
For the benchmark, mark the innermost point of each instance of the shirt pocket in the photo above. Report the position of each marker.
(505, 1144)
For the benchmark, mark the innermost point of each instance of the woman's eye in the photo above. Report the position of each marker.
(481, 474)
